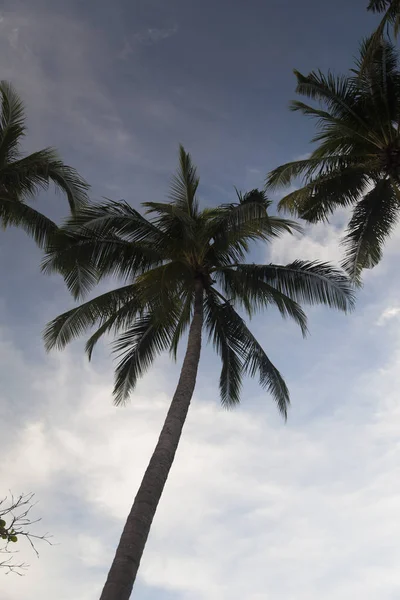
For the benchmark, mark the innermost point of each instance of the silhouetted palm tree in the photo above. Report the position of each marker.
(183, 269)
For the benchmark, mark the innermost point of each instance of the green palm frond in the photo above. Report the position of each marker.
(257, 362)
(73, 323)
(183, 322)
(12, 123)
(222, 325)
(19, 214)
(373, 220)
(231, 227)
(137, 348)
(309, 167)
(161, 285)
(322, 195)
(173, 221)
(119, 219)
(184, 184)
(28, 175)
(85, 260)
(305, 282)
(21, 178)
(237, 344)
(245, 287)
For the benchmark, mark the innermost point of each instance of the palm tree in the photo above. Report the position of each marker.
(22, 177)
(183, 269)
(357, 160)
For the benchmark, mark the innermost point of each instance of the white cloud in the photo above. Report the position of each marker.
(319, 242)
(388, 314)
(248, 501)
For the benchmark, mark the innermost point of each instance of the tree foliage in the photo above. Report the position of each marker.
(158, 257)
(356, 162)
(22, 177)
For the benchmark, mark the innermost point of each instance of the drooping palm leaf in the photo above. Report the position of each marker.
(19, 214)
(374, 218)
(137, 348)
(21, 178)
(223, 334)
(237, 345)
(73, 323)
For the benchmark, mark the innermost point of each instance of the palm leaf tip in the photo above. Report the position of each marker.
(184, 184)
(378, 5)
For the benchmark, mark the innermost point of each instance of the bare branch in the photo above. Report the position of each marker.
(15, 524)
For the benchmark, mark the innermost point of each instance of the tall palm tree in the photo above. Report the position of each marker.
(357, 158)
(21, 177)
(183, 269)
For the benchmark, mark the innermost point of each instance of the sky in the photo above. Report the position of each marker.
(254, 508)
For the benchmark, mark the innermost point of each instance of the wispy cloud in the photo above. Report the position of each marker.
(388, 314)
(150, 36)
(284, 497)
(154, 34)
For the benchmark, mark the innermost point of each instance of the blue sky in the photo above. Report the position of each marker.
(254, 508)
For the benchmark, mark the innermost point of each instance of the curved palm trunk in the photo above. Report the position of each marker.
(126, 562)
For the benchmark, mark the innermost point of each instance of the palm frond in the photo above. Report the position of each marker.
(137, 349)
(73, 323)
(222, 324)
(335, 91)
(309, 282)
(285, 174)
(257, 362)
(379, 5)
(28, 175)
(163, 284)
(250, 355)
(231, 227)
(119, 219)
(16, 213)
(12, 123)
(83, 260)
(184, 184)
(173, 221)
(244, 286)
(187, 300)
(373, 220)
(322, 195)
(391, 8)
(253, 359)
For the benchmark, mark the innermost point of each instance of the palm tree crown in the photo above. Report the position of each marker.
(357, 160)
(22, 177)
(160, 259)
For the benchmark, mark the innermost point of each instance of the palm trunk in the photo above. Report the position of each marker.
(124, 568)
